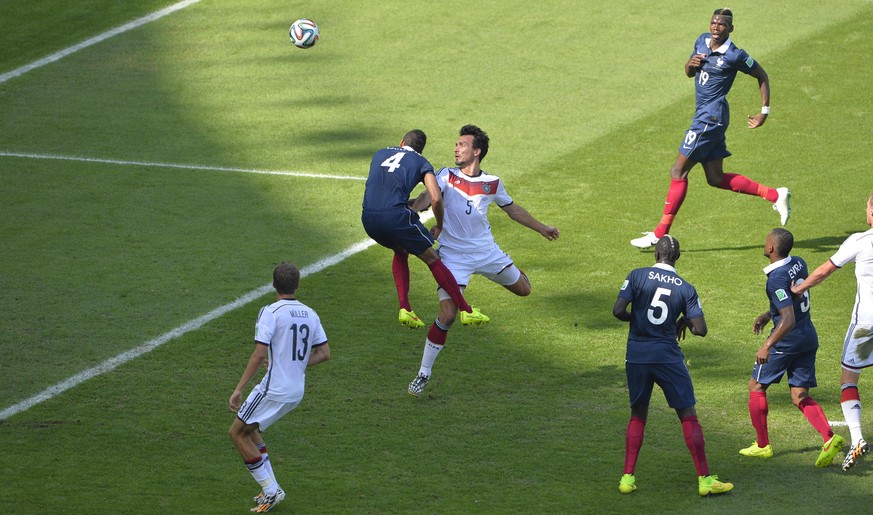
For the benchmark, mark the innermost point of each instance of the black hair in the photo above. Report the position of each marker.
(784, 241)
(667, 249)
(417, 139)
(724, 12)
(286, 278)
(480, 139)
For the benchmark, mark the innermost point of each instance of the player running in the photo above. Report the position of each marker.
(663, 306)
(790, 348)
(714, 64)
(387, 218)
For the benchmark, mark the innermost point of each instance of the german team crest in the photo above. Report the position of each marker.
(486, 188)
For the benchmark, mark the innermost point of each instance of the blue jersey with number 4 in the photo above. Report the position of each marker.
(714, 79)
(394, 173)
(658, 298)
(780, 275)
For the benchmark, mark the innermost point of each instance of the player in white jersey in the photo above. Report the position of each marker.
(466, 245)
(858, 345)
(288, 337)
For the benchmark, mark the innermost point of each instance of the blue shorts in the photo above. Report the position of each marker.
(704, 141)
(673, 378)
(800, 369)
(397, 229)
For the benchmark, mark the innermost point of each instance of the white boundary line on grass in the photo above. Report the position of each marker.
(180, 166)
(192, 325)
(96, 39)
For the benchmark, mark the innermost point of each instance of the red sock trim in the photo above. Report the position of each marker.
(436, 335)
(850, 393)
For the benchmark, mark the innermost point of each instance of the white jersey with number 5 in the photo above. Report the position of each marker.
(859, 248)
(465, 225)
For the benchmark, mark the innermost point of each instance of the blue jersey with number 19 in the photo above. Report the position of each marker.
(394, 173)
(714, 79)
(658, 298)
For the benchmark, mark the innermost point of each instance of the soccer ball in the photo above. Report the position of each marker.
(304, 33)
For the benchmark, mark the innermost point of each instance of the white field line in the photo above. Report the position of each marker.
(179, 166)
(96, 39)
(192, 325)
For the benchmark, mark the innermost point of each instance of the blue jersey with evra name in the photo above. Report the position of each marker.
(803, 336)
(658, 298)
(714, 79)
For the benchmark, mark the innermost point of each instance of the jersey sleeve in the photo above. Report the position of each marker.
(318, 336)
(847, 252)
(442, 178)
(745, 63)
(779, 290)
(626, 290)
(693, 308)
(502, 198)
(265, 327)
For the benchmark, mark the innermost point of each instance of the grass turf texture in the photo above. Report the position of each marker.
(524, 415)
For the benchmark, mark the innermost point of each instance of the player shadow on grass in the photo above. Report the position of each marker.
(823, 244)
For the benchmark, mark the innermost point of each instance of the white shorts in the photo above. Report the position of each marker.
(858, 348)
(258, 409)
(496, 266)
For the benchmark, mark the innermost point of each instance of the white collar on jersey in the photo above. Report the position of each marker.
(773, 266)
(665, 266)
(722, 49)
(407, 147)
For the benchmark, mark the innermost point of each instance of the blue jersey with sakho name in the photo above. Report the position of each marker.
(394, 173)
(658, 298)
(803, 336)
(714, 79)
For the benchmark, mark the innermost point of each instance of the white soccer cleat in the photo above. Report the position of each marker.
(782, 205)
(645, 241)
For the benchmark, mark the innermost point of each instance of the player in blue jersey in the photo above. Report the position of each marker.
(663, 306)
(387, 218)
(790, 349)
(714, 64)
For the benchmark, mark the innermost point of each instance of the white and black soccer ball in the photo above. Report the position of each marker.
(304, 33)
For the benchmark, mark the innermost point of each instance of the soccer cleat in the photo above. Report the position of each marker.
(757, 452)
(409, 319)
(828, 451)
(416, 387)
(259, 499)
(711, 485)
(266, 502)
(782, 206)
(474, 318)
(627, 484)
(645, 241)
(855, 454)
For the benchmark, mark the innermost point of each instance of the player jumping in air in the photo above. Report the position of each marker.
(387, 218)
(714, 64)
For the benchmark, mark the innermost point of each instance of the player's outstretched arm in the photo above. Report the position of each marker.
(520, 215)
(420, 203)
(817, 277)
(436, 198)
(757, 120)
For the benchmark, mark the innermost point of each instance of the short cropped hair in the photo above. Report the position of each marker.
(724, 12)
(480, 139)
(784, 241)
(667, 248)
(286, 278)
(417, 139)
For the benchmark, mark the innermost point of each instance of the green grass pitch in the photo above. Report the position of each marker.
(104, 246)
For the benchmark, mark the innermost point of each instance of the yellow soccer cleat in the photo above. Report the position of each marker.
(829, 450)
(627, 484)
(757, 452)
(711, 485)
(474, 318)
(409, 319)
